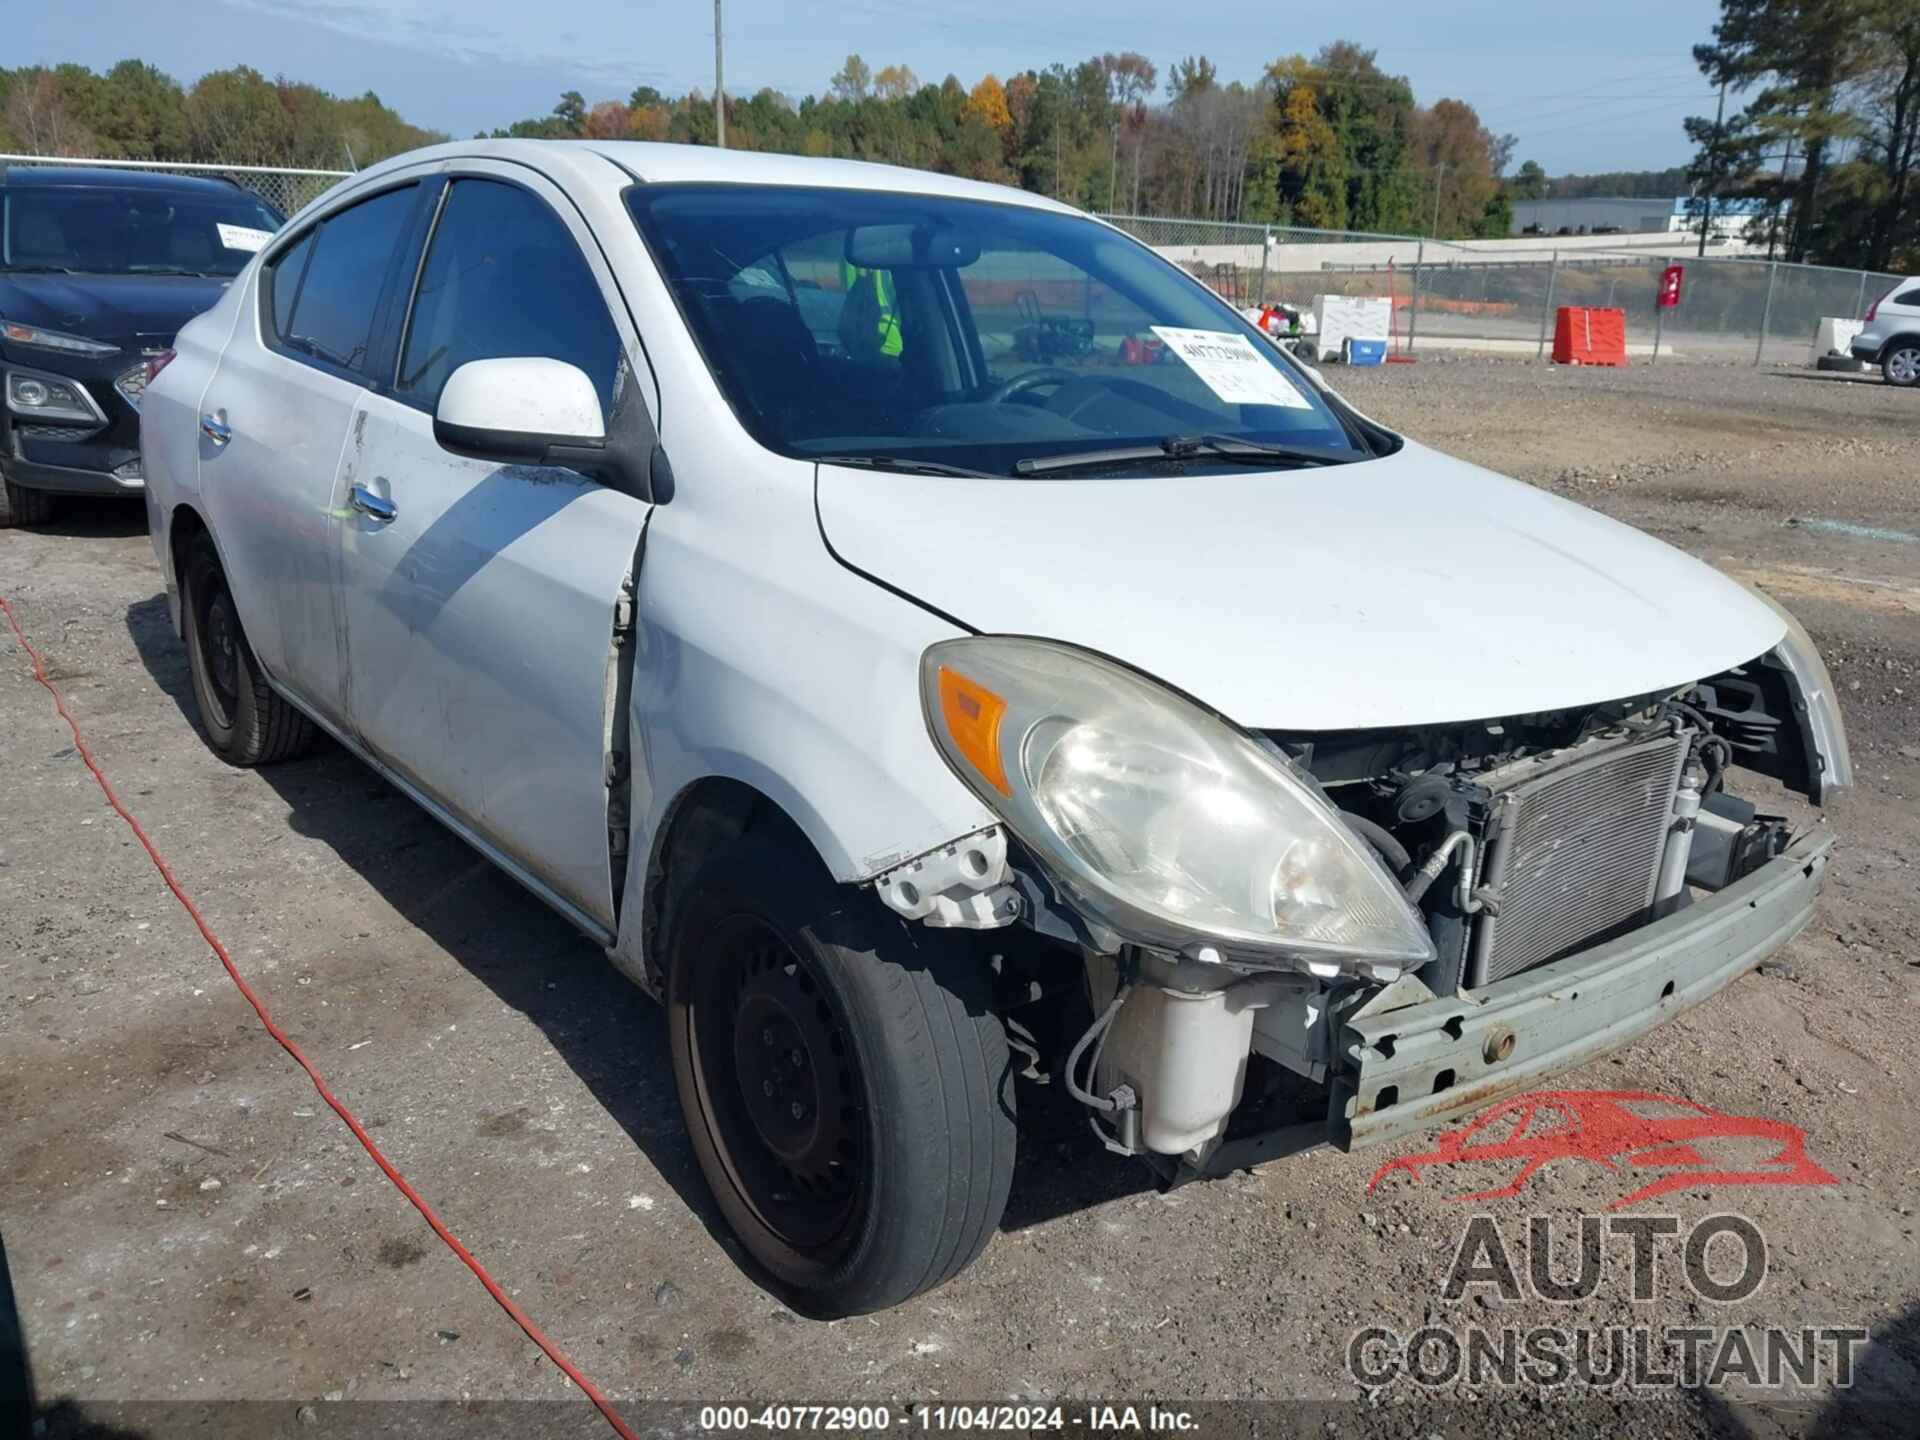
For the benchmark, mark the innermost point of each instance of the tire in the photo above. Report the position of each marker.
(1901, 364)
(21, 506)
(846, 1085)
(246, 723)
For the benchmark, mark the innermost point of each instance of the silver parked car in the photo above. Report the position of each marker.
(885, 610)
(1891, 335)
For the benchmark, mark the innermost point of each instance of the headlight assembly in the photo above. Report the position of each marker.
(50, 397)
(1167, 824)
(18, 334)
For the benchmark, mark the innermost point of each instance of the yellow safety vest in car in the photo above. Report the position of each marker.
(887, 323)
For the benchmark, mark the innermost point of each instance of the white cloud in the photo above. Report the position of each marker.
(479, 34)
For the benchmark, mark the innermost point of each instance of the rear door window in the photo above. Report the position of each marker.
(504, 278)
(330, 315)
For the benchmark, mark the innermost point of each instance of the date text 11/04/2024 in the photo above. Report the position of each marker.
(1095, 1419)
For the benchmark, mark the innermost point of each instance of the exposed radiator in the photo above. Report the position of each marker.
(1576, 853)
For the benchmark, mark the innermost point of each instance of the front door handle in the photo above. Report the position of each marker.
(213, 425)
(374, 507)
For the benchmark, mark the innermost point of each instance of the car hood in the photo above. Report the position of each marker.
(1413, 589)
(131, 311)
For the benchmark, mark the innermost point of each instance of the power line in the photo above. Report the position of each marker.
(1622, 89)
(1580, 98)
(1578, 124)
(1591, 107)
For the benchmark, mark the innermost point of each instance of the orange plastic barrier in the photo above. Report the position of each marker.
(1588, 336)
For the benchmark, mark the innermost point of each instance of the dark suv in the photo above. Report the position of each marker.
(98, 269)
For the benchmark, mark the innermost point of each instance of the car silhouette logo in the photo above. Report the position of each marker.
(1625, 1131)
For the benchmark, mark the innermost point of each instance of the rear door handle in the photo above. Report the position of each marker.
(374, 507)
(213, 425)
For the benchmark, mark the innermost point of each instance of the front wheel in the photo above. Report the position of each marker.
(1901, 365)
(845, 1083)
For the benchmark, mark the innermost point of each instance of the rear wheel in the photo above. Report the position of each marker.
(246, 722)
(21, 506)
(1901, 365)
(845, 1083)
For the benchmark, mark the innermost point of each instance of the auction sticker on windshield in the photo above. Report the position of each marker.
(243, 237)
(1232, 368)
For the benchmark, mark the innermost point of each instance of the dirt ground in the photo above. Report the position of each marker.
(185, 1221)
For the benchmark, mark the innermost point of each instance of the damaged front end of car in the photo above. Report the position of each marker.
(1288, 939)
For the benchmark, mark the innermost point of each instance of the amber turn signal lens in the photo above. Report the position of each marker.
(972, 715)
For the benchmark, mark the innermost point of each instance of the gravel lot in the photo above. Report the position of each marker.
(184, 1221)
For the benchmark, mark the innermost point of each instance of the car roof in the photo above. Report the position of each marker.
(50, 177)
(658, 163)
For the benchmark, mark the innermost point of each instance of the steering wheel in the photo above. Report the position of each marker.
(1020, 384)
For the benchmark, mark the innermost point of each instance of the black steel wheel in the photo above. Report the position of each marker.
(217, 633)
(844, 1080)
(776, 1065)
(246, 721)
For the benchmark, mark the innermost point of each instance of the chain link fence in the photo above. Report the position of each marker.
(1276, 264)
(285, 190)
(1487, 295)
(1500, 296)
(1757, 311)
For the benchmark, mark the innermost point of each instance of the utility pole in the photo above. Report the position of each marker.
(1773, 224)
(1439, 174)
(1713, 168)
(1113, 167)
(719, 84)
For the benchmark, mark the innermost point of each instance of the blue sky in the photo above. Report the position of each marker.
(1599, 88)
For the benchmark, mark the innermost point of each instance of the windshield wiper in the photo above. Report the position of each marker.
(906, 466)
(171, 270)
(1186, 447)
(39, 270)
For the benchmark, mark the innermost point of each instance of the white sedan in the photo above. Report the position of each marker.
(884, 610)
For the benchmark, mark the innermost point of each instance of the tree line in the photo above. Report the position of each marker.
(1824, 127)
(1332, 142)
(232, 117)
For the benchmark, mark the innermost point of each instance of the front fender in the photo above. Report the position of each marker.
(792, 676)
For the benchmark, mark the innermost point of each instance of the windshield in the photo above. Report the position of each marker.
(104, 230)
(921, 330)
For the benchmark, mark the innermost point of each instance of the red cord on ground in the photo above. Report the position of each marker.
(520, 1317)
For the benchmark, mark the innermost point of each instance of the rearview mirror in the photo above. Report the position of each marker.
(910, 247)
(518, 411)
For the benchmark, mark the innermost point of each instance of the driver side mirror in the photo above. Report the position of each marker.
(527, 410)
(515, 411)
